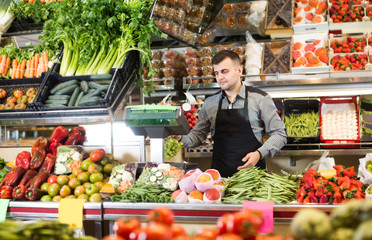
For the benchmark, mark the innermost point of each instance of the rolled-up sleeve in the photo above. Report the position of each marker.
(200, 131)
(274, 128)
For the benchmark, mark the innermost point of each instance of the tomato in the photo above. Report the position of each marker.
(113, 237)
(18, 93)
(208, 234)
(11, 99)
(52, 179)
(178, 230)
(31, 92)
(229, 236)
(53, 189)
(124, 226)
(158, 231)
(9, 105)
(31, 99)
(96, 155)
(2, 106)
(101, 150)
(138, 234)
(223, 221)
(23, 159)
(22, 99)
(193, 117)
(161, 215)
(246, 223)
(65, 191)
(2, 93)
(20, 106)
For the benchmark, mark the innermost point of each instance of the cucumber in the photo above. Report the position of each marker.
(91, 90)
(63, 85)
(66, 90)
(62, 102)
(59, 97)
(97, 92)
(89, 101)
(98, 86)
(101, 77)
(81, 94)
(84, 86)
(103, 82)
(54, 105)
(73, 98)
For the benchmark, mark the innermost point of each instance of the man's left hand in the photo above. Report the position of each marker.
(250, 160)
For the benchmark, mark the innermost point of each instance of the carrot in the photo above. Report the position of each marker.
(22, 69)
(36, 64)
(28, 66)
(14, 68)
(17, 70)
(6, 66)
(40, 67)
(32, 67)
(2, 63)
(46, 61)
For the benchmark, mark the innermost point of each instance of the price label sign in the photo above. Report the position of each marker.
(3, 209)
(70, 211)
(267, 209)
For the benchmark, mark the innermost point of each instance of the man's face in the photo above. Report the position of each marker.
(228, 74)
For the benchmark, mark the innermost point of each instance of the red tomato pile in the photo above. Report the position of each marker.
(243, 225)
(191, 117)
(350, 45)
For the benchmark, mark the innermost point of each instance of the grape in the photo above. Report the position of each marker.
(171, 148)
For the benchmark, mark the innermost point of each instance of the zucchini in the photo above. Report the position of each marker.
(91, 90)
(84, 86)
(81, 94)
(63, 85)
(73, 98)
(59, 97)
(54, 105)
(103, 82)
(89, 101)
(101, 77)
(62, 102)
(66, 90)
(98, 86)
(97, 92)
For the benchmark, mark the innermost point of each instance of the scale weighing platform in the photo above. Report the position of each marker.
(157, 122)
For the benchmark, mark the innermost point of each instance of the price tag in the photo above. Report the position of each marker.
(3, 209)
(190, 98)
(165, 99)
(267, 209)
(70, 211)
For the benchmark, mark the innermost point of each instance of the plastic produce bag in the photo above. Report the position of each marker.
(253, 54)
(363, 173)
(68, 158)
(161, 174)
(323, 163)
(123, 176)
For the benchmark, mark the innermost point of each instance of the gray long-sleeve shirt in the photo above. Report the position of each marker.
(262, 116)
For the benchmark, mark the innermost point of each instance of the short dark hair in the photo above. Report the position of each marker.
(223, 54)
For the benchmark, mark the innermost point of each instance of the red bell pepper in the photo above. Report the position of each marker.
(6, 192)
(76, 136)
(23, 159)
(48, 163)
(34, 192)
(58, 134)
(19, 191)
(41, 142)
(53, 148)
(38, 155)
(13, 176)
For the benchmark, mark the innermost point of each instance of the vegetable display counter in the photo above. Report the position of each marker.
(27, 210)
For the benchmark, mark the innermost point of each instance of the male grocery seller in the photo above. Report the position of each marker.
(237, 117)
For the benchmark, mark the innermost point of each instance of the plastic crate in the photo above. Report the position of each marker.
(121, 84)
(299, 106)
(339, 104)
(10, 85)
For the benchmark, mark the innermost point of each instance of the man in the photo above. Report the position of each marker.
(238, 117)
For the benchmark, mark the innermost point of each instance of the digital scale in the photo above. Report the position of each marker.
(157, 122)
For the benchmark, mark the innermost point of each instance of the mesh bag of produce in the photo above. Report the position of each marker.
(123, 176)
(161, 175)
(365, 169)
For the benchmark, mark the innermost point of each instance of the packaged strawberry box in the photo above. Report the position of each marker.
(310, 53)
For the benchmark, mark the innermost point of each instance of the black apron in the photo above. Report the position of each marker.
(233, 139)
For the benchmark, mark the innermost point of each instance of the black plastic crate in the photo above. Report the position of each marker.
(299, 106)
(21, 25)
(11, 85)
(121, 84)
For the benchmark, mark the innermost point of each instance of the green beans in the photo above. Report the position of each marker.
(302, 125)
(144, 193)
(257, 185)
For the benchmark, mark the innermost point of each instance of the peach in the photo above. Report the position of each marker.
(309, 16)
(299, 19)
(309, 47)
(215, 175)
(314, 60)
(309, 55)
(196, 194)
(297, 46)
(296, 64)
(204, 178)
(317, 42)
(318, 19)
(319, 51)
(297, 54)
(309, 9)
(297, 11)
(314, 3)
(320, 10)
(324, 58)
(302, 61)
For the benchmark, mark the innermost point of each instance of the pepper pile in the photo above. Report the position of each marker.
(345, 11)
(350, 45)
(32, 169)
(349, 62)
(315, 188)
